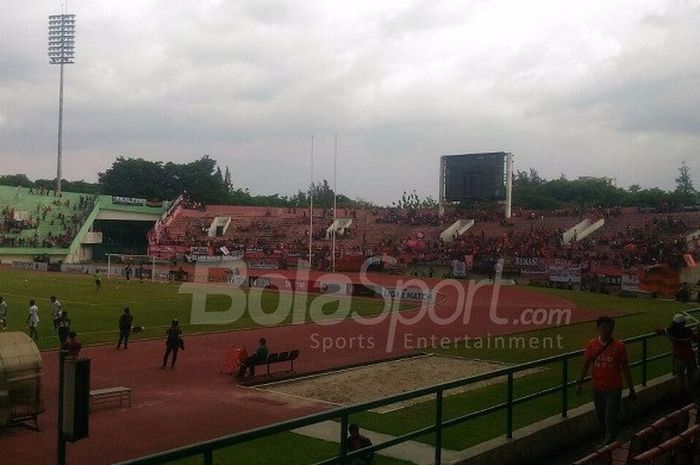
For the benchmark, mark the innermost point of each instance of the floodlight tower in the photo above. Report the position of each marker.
(61, 52)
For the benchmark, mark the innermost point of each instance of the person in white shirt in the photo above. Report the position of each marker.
(3, 313)
(33, 320)
(56, 311)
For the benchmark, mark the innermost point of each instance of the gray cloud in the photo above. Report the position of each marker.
(599, 88)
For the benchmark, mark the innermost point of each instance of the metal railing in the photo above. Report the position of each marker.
(206, 449)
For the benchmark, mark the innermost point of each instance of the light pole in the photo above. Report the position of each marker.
(335, 198)
(61, 52)
(311, 204)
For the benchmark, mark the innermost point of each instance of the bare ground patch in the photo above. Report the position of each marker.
(371, 382)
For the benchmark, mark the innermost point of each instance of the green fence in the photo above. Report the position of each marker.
(206, 449)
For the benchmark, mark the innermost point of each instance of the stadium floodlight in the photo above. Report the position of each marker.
(61, 52)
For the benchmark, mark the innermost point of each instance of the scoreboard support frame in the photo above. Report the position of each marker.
(509, 185)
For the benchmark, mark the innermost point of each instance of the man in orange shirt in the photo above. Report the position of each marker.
(608, 357)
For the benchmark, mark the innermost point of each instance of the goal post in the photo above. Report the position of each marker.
(142, 266)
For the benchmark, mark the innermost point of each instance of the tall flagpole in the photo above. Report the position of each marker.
(311, 202)
(335, 197)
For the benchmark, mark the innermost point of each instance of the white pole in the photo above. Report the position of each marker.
(153, 268)
(311, 201)
(59, 162)
(509, 184)
(335, 197)
(109, 265)
(441, 185)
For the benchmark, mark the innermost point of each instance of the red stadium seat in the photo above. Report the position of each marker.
(642, 441)
(603, 456)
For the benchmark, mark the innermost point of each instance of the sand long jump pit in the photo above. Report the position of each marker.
(382, 379)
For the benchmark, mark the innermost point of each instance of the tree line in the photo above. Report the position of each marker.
(204, 181)
(534, 192)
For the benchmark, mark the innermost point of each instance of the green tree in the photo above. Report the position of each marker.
(15, 180)
(227, 180)
(135, 177)
(685, 192)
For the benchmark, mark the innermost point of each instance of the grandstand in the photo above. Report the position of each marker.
(275, 228)
(76, 228)
(600, 239)
(37, 223)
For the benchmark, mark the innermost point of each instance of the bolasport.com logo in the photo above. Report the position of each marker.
(407, 304)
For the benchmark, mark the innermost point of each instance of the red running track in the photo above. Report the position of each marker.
(172, 408)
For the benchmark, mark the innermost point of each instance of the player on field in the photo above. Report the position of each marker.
(33, 320)
(98, 280)
(56, 311)
(3, 313)
(63, 324)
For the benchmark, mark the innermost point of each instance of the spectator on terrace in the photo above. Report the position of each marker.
(356, 441)
(260, 356)
(682, 338)
(608, 357)
(683, 294)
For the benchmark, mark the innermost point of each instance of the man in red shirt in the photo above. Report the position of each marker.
(73, 345)
(608, 357)
(356, 441)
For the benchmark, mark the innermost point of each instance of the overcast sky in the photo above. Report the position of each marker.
(601, 88)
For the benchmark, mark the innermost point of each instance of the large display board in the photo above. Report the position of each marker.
(473, 176)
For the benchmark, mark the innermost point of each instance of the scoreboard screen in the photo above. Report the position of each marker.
(474, 176)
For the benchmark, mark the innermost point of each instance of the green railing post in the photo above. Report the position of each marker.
(209, 457)
(509, 407)
(645, 356)
(344, 440)
(438, 427)
(564, 387)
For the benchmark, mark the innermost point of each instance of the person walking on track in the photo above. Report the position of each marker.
(125, 322)
(173, 343)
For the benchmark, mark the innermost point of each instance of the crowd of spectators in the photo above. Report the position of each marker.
(190, 204)
(50, 225)
(394, 231)
(659, 240)
(411, 217)
(10, 224)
